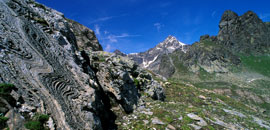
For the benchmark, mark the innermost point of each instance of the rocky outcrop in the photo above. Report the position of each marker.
(245, 34)
(123, 79)
(268, 25)
(40, 57)
(86, 38)
(166, 67)
(46, 57)
(209, 56)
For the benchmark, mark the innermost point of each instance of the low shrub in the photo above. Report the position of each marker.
(6, 88)
(3, 121)
(34, 125)
(43, 118)
(37, 122)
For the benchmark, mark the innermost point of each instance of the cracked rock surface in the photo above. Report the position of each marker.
(43, 54)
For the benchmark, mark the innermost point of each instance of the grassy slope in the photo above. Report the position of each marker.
(183, 99)
(259, 64)
(251, 77)
(185, 93)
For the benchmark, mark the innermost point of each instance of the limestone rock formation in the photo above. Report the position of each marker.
(46, 57)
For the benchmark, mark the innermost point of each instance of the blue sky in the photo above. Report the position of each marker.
(138, 25)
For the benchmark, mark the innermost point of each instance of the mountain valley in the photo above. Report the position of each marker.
(54, 74)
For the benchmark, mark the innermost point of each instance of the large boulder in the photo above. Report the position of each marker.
(123, 79)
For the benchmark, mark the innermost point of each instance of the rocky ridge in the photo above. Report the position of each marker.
(244, 34)
(49, 60)
(238, 36)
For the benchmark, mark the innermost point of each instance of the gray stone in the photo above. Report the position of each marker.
(261, 122)
(15, 95)
(194, 117)
(146, 122)
(180, 118)
(171, 127)
(221, 123)
(234, 113)
(197, 118)
(147, 113)
(195, 126)
(50, 124)
(156, 121)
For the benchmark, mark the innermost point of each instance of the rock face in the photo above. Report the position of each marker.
(209, 56)
(246, 33)
(124, 79)
(46, 57)
(39, 56)
(151, 59)
(86, 38)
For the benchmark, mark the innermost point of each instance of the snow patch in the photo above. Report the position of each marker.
(251, 80)
(146, 64)
(158, 48)
(181, 43)
(171, 48)
(133, 54)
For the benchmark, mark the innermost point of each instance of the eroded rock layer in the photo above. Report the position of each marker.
(43, 55)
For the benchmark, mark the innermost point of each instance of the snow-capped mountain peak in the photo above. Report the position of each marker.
(151, 58)
(172, 39)
(171, 44)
